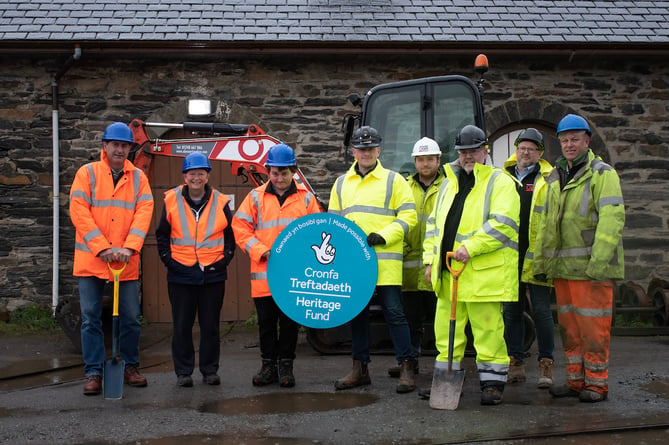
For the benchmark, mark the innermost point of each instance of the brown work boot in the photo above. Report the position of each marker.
(406, 382)
(358, 376)
(516, 371)
(93, 385)
(394, 371)
(132, 377)
(545, 373)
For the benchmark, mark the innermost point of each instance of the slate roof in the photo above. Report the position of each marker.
(344, 22)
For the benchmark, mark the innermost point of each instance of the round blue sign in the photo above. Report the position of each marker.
(321, 272)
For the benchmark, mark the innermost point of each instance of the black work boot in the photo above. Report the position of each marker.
(406, 382)
(492, 395)
(267, 374)
(286, 378)
(358, 376)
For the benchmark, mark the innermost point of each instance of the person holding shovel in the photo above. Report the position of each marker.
(196, 244)
(476, 216)
(111, 206)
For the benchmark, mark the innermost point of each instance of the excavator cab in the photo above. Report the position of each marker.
(403, 112)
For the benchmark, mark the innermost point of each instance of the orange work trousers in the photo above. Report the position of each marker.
(585, 309)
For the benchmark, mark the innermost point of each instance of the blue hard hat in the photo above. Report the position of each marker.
(118, 131)
(281, 155)
(573, 122)
(196, 160)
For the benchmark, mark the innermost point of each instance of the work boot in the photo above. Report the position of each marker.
(358, 376)
(184, 381)
(563, 391)
(590, 396)
(93, 385)
(545, 373)
(267, 374)
(286, 378)
(394, 371)
(132, 377)
(516, 371)
(491, 395)
(406, 382)
(424, 393)
(211, 379)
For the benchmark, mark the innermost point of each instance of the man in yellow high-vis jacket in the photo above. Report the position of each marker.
(475, 216)
(580, 248)
(379, 201)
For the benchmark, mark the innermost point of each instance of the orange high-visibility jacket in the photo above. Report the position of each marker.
(105, 216)
(196, 241)
(258, 222)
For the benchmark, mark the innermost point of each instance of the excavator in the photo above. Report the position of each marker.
(403, 112)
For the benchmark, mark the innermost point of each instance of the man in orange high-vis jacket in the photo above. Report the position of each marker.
(263, 214)
(111, 207)
(196, 244)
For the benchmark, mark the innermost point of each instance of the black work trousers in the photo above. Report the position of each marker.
(275, 343)
(187, 301)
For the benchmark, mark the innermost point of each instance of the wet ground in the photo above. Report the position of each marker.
(42, 407)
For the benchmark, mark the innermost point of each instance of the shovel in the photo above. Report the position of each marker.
(446, 383)
(113, 373)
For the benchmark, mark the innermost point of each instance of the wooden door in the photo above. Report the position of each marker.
(237, 304)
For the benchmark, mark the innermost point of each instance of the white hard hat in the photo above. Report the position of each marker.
(426, 147)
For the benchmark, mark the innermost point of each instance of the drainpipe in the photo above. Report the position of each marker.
(56, 175)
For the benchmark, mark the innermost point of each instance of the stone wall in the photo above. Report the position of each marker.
(302, 101)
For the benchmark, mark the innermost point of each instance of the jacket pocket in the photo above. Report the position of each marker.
(487, 274)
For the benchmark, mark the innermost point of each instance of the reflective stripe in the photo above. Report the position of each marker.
(274, 223)
(259, 275)
(455, 366)
(412, 264)
(137, 232)
(611, 200)
(252, 242)
(368, 209)
(591, 381)
(596, 366)
(82, 247)
(405, 226)
(575, 375)
(91, 235)
(244, 217)
(574, 359)
(492, 372)
(81, 194)
(585, 312)
(585, 199)
(334, 212)
(573, 252)
(340, 185)
(389, 256)
(488, 193)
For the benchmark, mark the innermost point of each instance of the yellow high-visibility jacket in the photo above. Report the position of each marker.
(582, 224)
(538, 202)
(413, 267)
(382, 203)
(488, 229)
(107, 216)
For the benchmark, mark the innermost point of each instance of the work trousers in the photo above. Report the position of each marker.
(487, 325)
(419, 307)
(91, 290)
(187, 301)
(390, 299)
(278, 333)
(585, 310)
(514, 322)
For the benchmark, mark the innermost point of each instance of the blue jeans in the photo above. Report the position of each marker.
(92, 337)
(543, 321)
(390, 299)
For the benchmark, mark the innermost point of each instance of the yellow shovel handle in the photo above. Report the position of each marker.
(116, 274)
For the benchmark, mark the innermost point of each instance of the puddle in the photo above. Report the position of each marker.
(300, 402)
(658, 387)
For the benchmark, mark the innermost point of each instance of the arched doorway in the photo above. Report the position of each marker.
(502, 142)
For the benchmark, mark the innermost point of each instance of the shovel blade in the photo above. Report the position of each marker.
(112, 381)
(446, 388)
